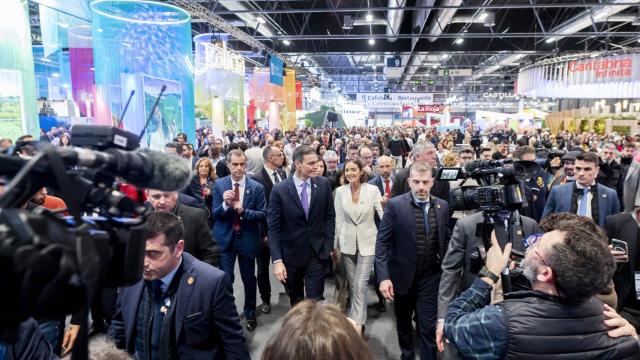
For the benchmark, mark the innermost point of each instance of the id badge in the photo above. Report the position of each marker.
(637, 278)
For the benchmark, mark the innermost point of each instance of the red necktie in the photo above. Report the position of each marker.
(387, 188)
(236, 216)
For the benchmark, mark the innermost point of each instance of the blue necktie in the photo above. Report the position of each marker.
(582, 208)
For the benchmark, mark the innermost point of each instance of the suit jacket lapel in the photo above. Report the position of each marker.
(248, 189)
(603, 204)
(268, 180)
(632, 246)
(294, 193)
(441, 218)
(134, 298)
(314, 194)
(185, 288)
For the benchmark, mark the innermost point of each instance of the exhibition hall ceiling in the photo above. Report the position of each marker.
(347, 42)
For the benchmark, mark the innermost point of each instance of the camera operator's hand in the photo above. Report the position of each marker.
(386, 288)
(619, 325)
(497, 259)
(69, 340)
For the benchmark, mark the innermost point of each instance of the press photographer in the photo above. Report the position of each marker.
(499, 197)
(560, 316)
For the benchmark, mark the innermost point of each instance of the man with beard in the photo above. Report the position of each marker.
(560, 316)
(626, 158)
(568, 170)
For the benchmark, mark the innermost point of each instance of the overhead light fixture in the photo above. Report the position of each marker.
(372, 41)
(483, 16)
(286, 42)
(369, 17)
(459, 41)
(435, 66)
(261, 20)
(444, 56)
(550, 40)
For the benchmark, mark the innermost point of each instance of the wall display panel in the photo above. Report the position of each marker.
(18, 111)
(134, 42)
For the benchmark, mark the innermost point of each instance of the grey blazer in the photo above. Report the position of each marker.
(356, 222)
(456, 276)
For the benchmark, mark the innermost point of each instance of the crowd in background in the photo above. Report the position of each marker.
(365, 206)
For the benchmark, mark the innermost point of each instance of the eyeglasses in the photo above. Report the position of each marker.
(530, 242)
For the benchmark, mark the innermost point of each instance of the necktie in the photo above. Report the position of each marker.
(236, 216)
(304, 199)
(582, 209)
(275, 177)
(387, 188)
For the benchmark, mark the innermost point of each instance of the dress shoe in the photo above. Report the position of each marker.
(381, 306)
(252, 324)
(265, 308)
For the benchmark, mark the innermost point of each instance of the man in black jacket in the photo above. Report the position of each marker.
(624, 227)
(561, 316)
(611, 174)
(269, 175)
(198, 239)
(422, 151)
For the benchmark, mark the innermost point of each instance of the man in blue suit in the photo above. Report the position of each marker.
(584, 196)
(411, 243)
(183, 308)
(302, 224)
(238, 209)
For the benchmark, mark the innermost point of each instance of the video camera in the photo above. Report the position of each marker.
(54, 265)
(500, 183)
(500, 195)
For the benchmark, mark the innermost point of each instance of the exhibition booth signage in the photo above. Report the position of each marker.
(614, 76)
(394, 100)
(217, 56)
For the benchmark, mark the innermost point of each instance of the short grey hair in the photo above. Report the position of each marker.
(421, 147)
(330, 154)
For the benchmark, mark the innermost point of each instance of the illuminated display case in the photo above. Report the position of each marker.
(140, 46)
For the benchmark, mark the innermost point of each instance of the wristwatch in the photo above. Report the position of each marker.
(485, 272)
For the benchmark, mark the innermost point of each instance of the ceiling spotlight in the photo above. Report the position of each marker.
(444, 56)
(459, 41)
(483, 16)
(490, 88)
(261, 20)
(372, 41)
(550, 40)
(369, 17)
(435, 66)
(286, 42)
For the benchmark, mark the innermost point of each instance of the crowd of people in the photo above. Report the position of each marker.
(364, 206)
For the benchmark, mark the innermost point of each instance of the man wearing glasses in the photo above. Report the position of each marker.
(567, 267)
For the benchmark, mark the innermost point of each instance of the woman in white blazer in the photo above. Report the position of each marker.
(357, 203)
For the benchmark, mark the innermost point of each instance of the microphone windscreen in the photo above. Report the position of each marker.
(169, 172)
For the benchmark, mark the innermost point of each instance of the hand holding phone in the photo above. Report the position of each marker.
(619, 250)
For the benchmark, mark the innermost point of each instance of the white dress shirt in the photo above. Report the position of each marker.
(270, 173)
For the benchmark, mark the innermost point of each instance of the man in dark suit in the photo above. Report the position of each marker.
(239, 208)
(268, 176)
(422, 151)
(456, 266)
(624, 226)
(584, 196)
(198, 239)
(411, 244)
(183, 308)
(302, 222)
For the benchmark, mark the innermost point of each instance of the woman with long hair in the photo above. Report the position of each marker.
(65, 140)
(202, 183)
(357, 204)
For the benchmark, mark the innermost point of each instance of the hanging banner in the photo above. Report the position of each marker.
(275, 70)
(393, 100)
(434, 109)
(615, 76)
(298, 95)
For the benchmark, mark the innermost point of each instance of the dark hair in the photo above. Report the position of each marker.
(324, 164)
(318, 148)
(589, 157)
(582, 263)
(212, 171)
(467, 151)
(174, 145)
(314, 331)
(164, 223)
(301, 151)
(523, 150)
(551, 221)
(186, 138)
(353, 146)
(363, 178)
